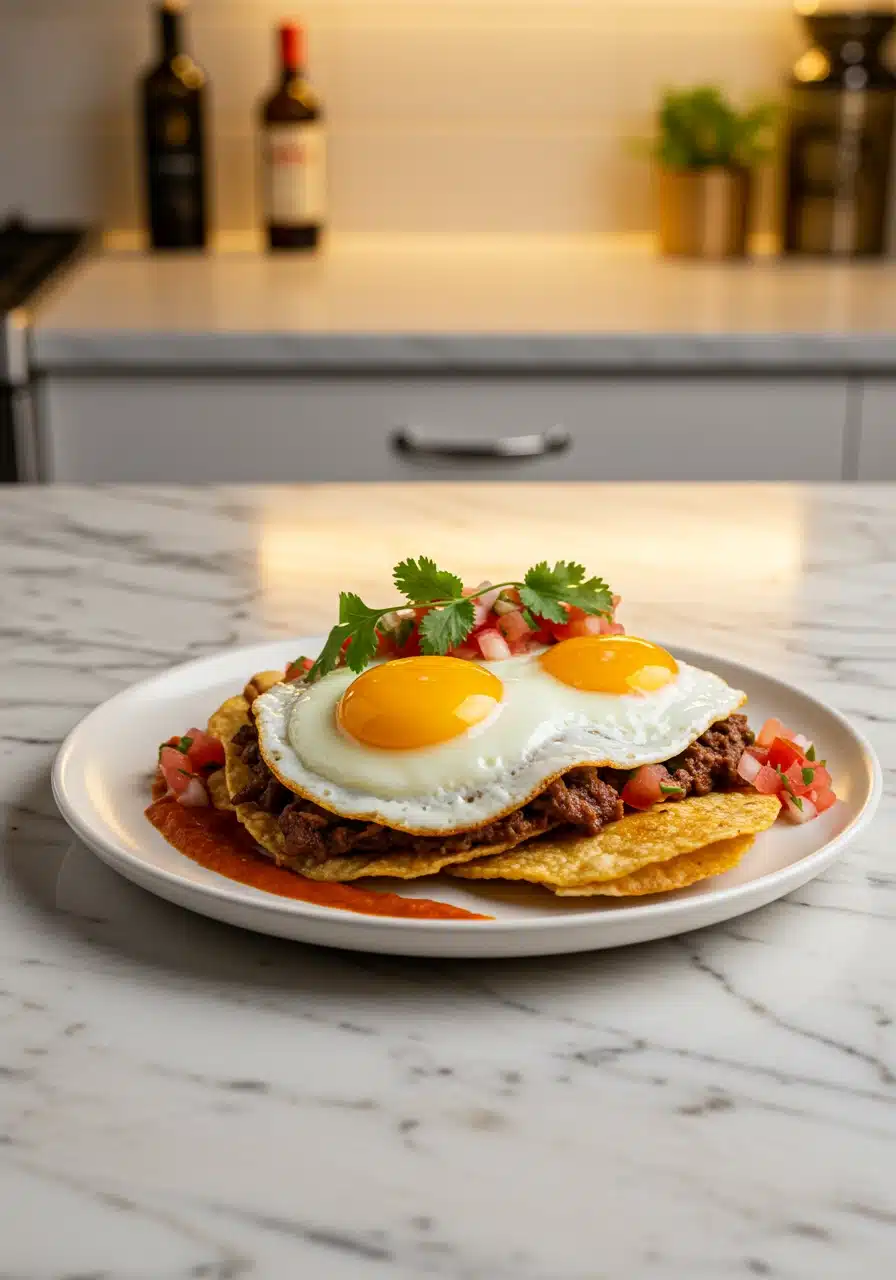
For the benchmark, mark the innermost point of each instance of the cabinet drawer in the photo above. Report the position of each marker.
(326, 428)
(877, 436)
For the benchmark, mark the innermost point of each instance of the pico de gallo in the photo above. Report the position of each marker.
(502, 627)
(778, 762)
(185, 764)
(786, 764)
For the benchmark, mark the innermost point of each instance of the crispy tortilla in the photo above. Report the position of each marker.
(262, 826)
(674, 873)
(265, 829)
(260, 683)
(635, 841)
(217, 789)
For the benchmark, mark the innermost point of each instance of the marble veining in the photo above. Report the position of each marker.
(181, 1099)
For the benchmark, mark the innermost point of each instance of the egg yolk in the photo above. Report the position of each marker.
(417, 702)
(610, 664)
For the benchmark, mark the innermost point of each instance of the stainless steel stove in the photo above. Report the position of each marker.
(31, 255)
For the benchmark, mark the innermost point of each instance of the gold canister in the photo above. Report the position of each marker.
(704, 213)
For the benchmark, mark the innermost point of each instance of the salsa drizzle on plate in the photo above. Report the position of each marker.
(215, 840)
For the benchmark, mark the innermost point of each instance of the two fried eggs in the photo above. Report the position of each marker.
(438, 744)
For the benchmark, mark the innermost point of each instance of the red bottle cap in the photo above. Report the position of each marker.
(292, 46)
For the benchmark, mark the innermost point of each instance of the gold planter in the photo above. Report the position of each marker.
(704, 213)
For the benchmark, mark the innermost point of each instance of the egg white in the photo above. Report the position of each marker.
(541, 728)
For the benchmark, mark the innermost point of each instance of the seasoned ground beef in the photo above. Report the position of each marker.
(584, 799)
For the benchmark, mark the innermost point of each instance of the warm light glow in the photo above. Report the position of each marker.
(813, 65)
(417, 702)
(681, 556)
(610, 664)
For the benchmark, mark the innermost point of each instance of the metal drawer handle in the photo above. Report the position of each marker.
(539, 445)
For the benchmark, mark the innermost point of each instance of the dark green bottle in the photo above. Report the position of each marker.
(839, 137)
(173, 95)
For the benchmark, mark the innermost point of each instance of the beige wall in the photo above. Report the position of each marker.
(457, 115)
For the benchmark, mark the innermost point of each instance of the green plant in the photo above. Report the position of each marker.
(699, 128)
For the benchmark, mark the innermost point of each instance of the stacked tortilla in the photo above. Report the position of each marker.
(657, 851)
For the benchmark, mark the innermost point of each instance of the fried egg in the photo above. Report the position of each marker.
(440, 744)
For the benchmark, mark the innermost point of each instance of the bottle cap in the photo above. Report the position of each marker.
(292, 45)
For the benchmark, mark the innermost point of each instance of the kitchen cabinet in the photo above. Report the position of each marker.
(377, 427)
(877, 430)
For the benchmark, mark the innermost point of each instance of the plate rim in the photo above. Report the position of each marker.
(117, 857)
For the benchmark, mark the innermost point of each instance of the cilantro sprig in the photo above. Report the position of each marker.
(450, 614)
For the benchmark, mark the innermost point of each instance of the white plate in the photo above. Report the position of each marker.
(101, 780)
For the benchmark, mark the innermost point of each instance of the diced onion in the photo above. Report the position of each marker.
(805, 811)
(505, 606)
(480, 613)
(748, 767)
(770, 730)
(800, 740)
(485, 593)
(492, 645)
(195, 795)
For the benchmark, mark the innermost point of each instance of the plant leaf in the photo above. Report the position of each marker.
(329, 655)
(422, 581)
(446, 627)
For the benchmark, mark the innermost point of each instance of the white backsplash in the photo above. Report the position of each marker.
(445, 115)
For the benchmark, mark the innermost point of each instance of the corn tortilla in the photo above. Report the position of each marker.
(674, 873)
(260, 683)
(265, 829)
(635, 841)
(217, 789)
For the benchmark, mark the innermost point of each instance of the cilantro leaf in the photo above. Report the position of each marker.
(361, 621)
(545, 590)
(185, 744)
(354, 611)
(810, 753)
(808, 776)
(329, 654)
(445, 628)
(363, 645)
(593, 596)
(422, 581)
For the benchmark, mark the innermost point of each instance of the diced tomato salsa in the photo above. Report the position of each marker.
(502, 628)
(785, 764)
(781, 766)
(186, 762)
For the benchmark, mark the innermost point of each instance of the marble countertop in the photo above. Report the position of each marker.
(182, 1099)
(466, 304)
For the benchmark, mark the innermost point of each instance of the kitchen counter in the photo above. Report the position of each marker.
(467, 304)
(184, 1099)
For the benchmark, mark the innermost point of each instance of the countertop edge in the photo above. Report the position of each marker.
(99, 352)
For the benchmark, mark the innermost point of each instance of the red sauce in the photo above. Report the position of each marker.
(215, 840)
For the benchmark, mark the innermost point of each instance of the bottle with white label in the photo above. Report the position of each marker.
(293, 152)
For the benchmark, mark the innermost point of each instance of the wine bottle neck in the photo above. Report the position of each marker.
(292, 53)
(172, 32)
